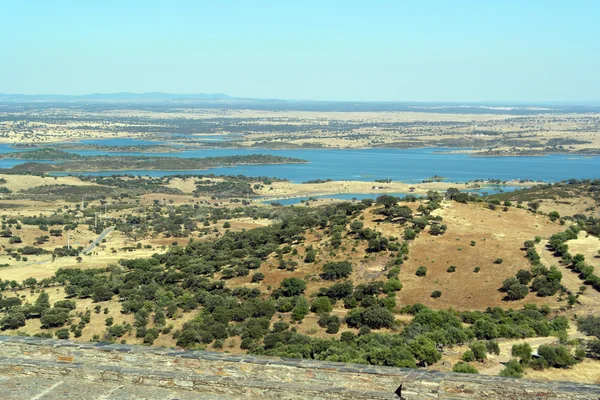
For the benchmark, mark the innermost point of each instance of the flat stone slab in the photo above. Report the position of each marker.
(27, 387)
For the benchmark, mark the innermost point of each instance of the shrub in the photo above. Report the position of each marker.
(347, 337)
(421, 271)
(392, 285)
(292, 287)
(451, 268)
(62, 334)
(12, 320)
(512, 369)
(300, 310)
(468, 356)
(321, 305)
(589, 325)
(514, 289)
(54, 317)
(436, 294)
(336, 270)
(377, 317)
(556, 356)
(464, 368)
(333, 327)
(479, 350)
(310, 256)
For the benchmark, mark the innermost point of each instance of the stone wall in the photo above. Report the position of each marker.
(268, 377)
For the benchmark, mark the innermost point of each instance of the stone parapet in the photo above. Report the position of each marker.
(212, 373)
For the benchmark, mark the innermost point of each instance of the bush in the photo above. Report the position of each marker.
(421, 271)
(392, 285)
(336, 270)
(62, 334)
(479, 350)
(300, 310)
(451, 268)
(593, 348)
(556, 356)
(12, 320)
(374, 317)
(468, 356)
(68, 304)
(257, 277)
(310, 256)
(512, 369)
(524, 276)
(54, 317)
(321, 305)
(498, 261)
(589, 325)
(333, 327)
(464, 368)
(436, 294)
(514, 289)
(292, 287)
(347, 337)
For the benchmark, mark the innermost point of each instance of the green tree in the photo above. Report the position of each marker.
(292, 287)
(512, 369)
(589, 325)
(377, 317)
(321, 305)
(523, 351)
(300, 310)
(479, 350)
(336, 270)
(424, 350)
(464, 368)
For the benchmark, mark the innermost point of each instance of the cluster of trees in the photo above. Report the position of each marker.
(577, 263)
(404, 214)
(16, 313)
(545, 282)
(548, 356)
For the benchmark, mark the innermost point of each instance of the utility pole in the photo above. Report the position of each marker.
(82, 204)
(96, 220)
(105, 209)
(68, 241)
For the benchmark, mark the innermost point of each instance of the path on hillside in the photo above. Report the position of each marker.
(590, 299)
(99, 239)
(89, 248)
(535, 342)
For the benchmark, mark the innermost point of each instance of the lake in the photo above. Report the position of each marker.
(410, 166)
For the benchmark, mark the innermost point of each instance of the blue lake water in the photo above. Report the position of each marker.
(411, 166)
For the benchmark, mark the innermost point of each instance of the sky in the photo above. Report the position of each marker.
(369, 50)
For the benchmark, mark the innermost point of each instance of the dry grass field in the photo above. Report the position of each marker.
(507, 131)
(496, 234)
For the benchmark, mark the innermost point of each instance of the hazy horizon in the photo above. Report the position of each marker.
(220, 96)
(383, 51)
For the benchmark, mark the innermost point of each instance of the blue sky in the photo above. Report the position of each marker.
(484, 50)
